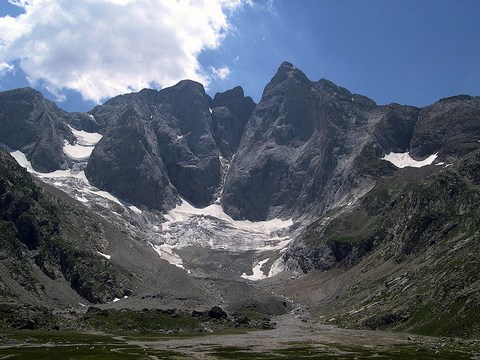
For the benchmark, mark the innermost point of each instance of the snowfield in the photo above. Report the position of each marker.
(211, 227)
(402, 160)
(184, 225)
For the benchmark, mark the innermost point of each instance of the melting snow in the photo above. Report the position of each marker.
(186, 225)
(65, 177)
(84, 145)
(106, 195)
(402, 160)
(77, 152)
(211, 227)
(85, 138)
(135, 209)
(257, 272)
(166, 252)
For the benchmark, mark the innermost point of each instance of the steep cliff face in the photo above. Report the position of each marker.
(450, 127)
(159, 145)
(35, 126)
(230, 111)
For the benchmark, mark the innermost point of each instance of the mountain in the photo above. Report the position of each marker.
(35, 126)
(312, 146)
(409, 253)
(158, 146)
(366, 213)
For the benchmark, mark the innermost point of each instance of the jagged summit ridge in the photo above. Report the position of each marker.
(306, 147)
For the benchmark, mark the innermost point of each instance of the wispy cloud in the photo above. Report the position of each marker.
(220, 73)
(105, 47)
(5, 68)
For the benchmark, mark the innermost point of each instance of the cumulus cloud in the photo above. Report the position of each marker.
(106, 47)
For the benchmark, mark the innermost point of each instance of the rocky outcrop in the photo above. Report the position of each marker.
(35, 126)
(127, 163)
(450, 127)
(230, 111)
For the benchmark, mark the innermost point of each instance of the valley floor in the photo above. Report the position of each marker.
(291, 339)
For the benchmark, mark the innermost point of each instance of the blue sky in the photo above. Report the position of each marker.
(405, 51)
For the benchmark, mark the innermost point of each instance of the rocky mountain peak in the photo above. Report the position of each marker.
(287, 76)
(36, 126)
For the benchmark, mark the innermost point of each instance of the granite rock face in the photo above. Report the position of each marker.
(158, 145)
(37, 127)
(305, 148)
(299, 143)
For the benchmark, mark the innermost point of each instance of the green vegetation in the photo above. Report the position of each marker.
(344, 352)
(140, 322)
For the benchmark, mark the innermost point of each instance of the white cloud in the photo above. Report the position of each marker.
(221, 73)
(5, 68)
(106, 47)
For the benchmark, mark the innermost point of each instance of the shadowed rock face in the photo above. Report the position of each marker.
(127, 163)
(158, 145)
(35, 126)
(231, 111)
(450, 127)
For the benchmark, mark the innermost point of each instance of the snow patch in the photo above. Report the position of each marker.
(106, 195)
(185, 210)
(85, 138)
(212, 228)
(104, 255)
(402, 160)
(277, 267)
(77, 152)
(135, 209)
(21, 159)
(257, 272)
(210, 109)
(63, 178)
(165, 251)
(84, 145)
